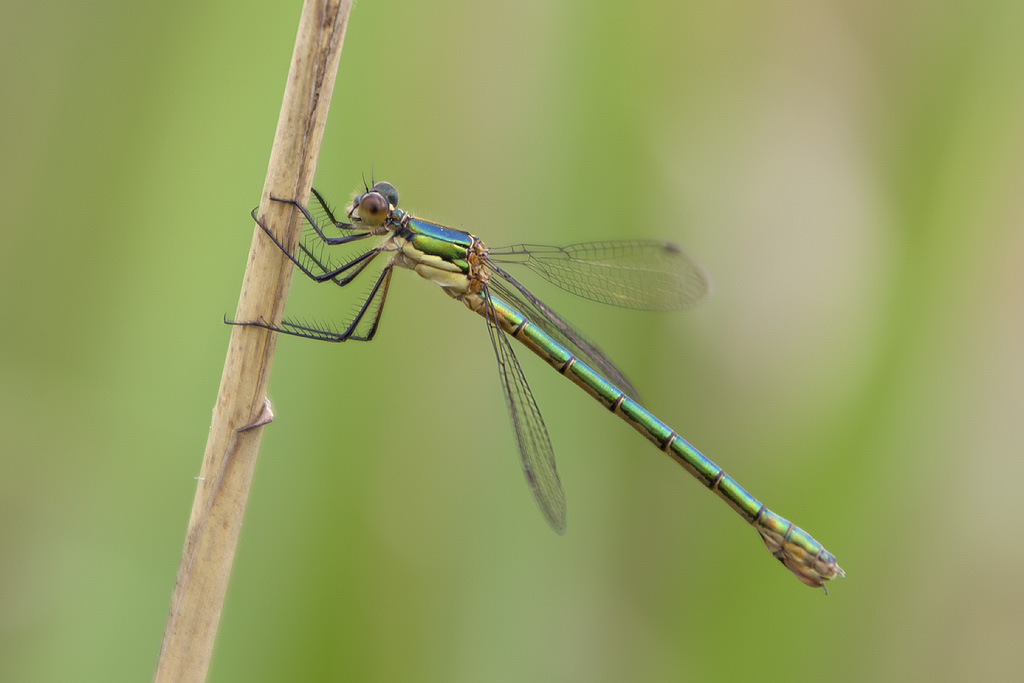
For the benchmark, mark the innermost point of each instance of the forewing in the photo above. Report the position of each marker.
(641, 274)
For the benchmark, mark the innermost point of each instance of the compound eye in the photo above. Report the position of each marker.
(389, 192)
(373, 209)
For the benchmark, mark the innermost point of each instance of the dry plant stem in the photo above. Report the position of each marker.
(241, 407)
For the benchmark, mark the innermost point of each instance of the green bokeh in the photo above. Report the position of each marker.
(850, 173)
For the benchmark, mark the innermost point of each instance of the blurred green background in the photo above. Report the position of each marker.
(850, 173)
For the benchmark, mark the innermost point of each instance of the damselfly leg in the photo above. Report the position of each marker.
(313, 262)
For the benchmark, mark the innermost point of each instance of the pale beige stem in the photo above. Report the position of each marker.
(241, 407)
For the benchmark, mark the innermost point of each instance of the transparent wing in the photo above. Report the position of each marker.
(535, 452)
(558, 327)
(641, 274)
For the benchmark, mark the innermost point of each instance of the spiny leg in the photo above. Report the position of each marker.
(320, 269)
(327, 270)
(329, 214)
(374, 304)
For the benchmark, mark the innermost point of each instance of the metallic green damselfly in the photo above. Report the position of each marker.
(645, 275)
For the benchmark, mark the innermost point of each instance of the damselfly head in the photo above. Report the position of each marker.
(369, 210)
(372, 208)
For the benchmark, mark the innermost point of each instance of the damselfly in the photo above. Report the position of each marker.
(645, 275)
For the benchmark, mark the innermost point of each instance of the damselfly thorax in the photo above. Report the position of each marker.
(452, 258)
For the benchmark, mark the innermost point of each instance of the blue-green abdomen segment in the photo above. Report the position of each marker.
(788, 543)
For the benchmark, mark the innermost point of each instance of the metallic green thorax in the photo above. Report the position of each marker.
(432, 239)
